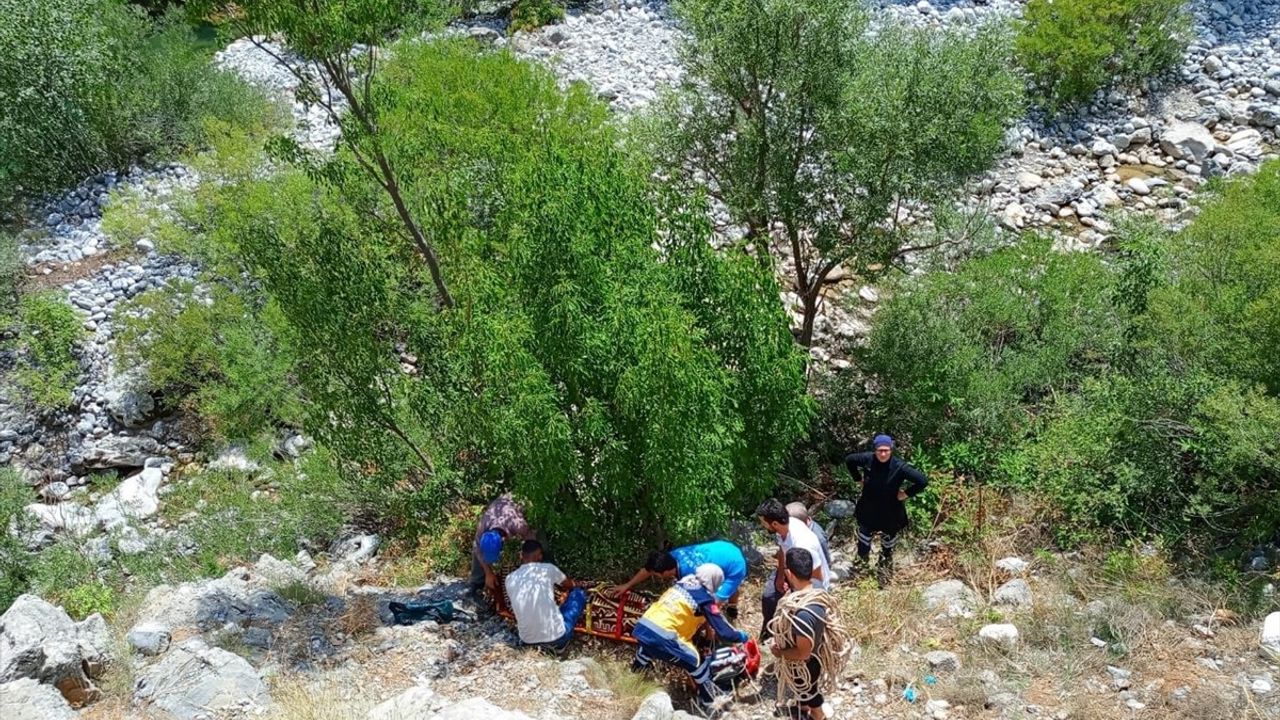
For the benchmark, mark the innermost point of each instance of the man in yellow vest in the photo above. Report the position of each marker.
(665, 631)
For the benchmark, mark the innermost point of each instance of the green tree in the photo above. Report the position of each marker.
(1071, 48)
(817, 136)
(336, 52)
(599, 359)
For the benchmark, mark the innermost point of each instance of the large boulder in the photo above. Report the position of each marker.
(194, 680)
(67, 516)
(27, 699)
(40, 641)
(1188, 141)
(952, 597)
(113, 452)
(242, 597)
(1269, 640)
(125, 396)
(136, 498)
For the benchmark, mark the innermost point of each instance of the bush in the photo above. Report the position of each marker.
(15, 560)
(48, 332)
(227, 359)
(1072, 48)
(962, 361)
(533, 14)
(1139, 395)
(241, 515)
(94, 84)
(10, 279)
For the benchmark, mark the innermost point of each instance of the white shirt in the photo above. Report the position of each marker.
(800, 536)
(532, 592)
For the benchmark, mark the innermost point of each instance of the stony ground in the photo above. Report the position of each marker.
(1128, 153)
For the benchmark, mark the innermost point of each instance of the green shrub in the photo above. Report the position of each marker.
(10, 278)
(963, 360)
(1071, 48)
(15, 560)
(229, 360)
(92, 84)
(48, 332)
(234, 517)
(533, 14)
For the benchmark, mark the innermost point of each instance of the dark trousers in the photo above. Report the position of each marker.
(887, 541)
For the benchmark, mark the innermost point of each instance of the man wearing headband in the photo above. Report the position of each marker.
(882, 506)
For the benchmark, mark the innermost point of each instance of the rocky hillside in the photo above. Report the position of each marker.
(1007, 635)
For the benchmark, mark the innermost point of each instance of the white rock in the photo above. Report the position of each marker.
(1138, 186)
(418, 701)
(136, 498)
(71, 517)
(1012, 565)
(38, 640)
(1260, 686)
(657, 706)
(1269, 640)
(27, 699)
(1016, 592)
(194, 680)
(1003, 635)
(1189, 141)
(1106, 197)
(868, 294)
(1246, 143)
(149, 638)
(953, 597)
(1028, 181)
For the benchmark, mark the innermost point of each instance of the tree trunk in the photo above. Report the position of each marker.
(809, 307)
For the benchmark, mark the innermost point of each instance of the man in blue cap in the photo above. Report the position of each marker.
(882, 506)
(502, 520)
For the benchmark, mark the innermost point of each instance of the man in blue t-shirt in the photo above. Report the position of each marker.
(682, 561)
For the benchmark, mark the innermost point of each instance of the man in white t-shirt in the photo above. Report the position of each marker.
(792, 533)
(531, 590)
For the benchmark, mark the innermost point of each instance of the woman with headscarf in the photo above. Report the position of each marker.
(882, 506)
(665, 631)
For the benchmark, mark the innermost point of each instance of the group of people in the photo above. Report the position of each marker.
(799, 617)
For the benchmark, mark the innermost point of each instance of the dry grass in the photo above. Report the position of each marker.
(297, 698)
(629, 688)
(360, 617)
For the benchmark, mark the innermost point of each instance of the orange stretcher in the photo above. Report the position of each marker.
(603, 617)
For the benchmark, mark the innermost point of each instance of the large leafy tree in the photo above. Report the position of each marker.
(600, 359)
(819, 137)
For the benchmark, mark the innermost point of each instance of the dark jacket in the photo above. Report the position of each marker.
(879, 508)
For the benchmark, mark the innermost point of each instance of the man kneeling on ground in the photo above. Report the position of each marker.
(531, 589)
(665, 631)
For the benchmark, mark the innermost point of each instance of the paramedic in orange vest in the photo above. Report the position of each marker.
(665, 631)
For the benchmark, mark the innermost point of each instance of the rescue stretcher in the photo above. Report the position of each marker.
(604, 616)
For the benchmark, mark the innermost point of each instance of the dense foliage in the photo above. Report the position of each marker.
(795, 117)
(1072, 48)
(1140, 395)
(49, 332)
(600, 359)
(95, 84)
(533, 14)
